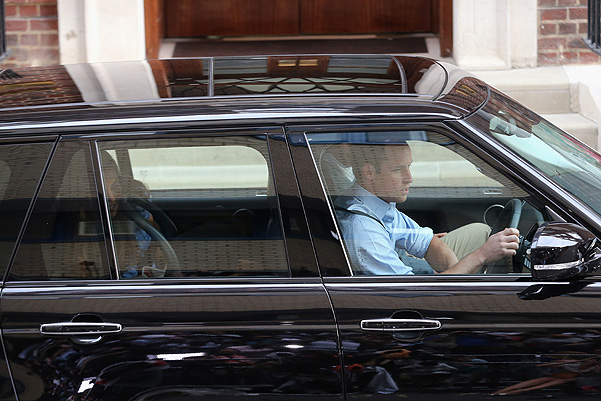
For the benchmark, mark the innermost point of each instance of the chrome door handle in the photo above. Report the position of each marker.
(79, 329)
(392, 325)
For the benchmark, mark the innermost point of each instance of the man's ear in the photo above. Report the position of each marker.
(367, 171)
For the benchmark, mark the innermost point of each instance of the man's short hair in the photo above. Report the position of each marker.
(372, 154)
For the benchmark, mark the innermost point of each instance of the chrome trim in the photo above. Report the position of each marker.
(79, 329)
(252, 116)
(151, 287)
(393, 325)
(502, 326)
(446, 282)
(558, 266)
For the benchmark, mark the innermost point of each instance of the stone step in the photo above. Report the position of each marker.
(545, 90)
(576, 125)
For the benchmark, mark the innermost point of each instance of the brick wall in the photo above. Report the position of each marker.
(561, 30)
(31, 33)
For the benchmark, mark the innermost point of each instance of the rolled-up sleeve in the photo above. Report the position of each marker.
(408, 235)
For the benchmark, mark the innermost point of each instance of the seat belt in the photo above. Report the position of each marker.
(360, 213)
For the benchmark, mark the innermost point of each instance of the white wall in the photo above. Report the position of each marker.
(495, 34)
(586, 77)
(101, 30)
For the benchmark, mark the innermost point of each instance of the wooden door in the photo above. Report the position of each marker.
(194, 18)
(365, 16)
(190, 18)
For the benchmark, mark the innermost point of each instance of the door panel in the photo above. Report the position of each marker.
(459, 336)
(21, 167)
(365, 16)
(276, 339)
(151, 336)
(490, 339)
(7, 391)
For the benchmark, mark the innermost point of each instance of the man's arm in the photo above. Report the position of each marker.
(440, 256)
(498, 246)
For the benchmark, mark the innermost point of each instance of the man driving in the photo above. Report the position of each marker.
(374, 230)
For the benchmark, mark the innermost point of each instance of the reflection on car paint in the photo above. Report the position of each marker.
(255, 363)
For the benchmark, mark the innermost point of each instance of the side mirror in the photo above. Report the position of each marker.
(563, 250)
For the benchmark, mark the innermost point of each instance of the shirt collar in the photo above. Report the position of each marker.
(359, 195)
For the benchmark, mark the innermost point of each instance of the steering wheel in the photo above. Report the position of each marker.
(155, 235)
(508, 218)
(168, 227)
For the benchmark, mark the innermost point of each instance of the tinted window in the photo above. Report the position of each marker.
(565, 160)
(193, 207)
(64, 237)
(21, 167)
(392, 192)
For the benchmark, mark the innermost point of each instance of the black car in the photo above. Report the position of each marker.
(170, 229)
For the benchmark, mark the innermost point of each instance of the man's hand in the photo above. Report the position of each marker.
(502, 244)
(497, 246)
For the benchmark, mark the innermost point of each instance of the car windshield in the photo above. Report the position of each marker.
(569, 163)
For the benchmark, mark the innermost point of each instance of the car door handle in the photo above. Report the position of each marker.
(392, 325)
(79, 329)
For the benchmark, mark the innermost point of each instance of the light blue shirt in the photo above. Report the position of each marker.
(372, 242)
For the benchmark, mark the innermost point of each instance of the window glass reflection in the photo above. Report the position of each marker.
(193, 207)
(21, 167)
(64, 238)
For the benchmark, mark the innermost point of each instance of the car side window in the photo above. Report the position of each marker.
(21, 166)
(64, 238)
(193, 207)
(393, 193)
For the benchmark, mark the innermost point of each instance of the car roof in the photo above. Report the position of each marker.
(303, 83)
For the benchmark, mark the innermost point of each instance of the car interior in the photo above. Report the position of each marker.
(211, 201)
(451, 186)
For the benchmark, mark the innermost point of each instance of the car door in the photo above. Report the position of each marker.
(22, 163)
(101, 303)
(458, 336)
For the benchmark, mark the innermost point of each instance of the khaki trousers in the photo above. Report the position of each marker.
(466, 239)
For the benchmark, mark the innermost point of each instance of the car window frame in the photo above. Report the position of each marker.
(299, 251)
(322, 208)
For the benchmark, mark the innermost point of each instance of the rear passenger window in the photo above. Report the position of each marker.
(193, 207)
(64, 238)
(21, 167)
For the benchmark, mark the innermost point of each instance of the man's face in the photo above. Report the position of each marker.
(391, 180)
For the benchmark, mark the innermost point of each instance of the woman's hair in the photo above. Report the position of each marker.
(108, 162)
(133, 188)
(130, 187)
